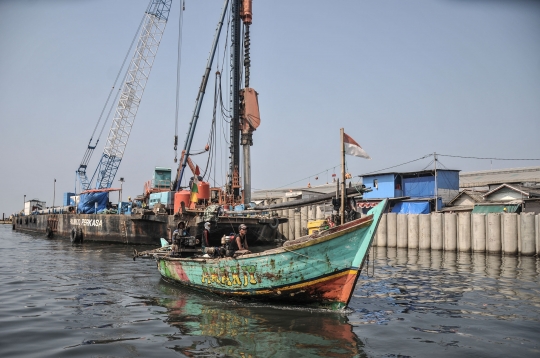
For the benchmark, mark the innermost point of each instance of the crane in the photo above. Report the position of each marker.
(153, 26)
(244, 103)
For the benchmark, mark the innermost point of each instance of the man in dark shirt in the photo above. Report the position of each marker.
(241, 238)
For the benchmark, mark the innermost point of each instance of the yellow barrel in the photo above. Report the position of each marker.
(316, 225)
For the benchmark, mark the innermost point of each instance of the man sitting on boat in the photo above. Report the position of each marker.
(179, 233)
(241, 238)
(207, 250)
(182, 229)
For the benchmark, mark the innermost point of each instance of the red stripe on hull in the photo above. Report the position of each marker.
(336, 289)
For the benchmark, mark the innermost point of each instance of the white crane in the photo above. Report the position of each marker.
(156, 17)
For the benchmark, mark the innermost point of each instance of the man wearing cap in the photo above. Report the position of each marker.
(177, 235)
(241, 238)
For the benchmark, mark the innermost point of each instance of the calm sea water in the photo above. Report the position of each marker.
(93, 300)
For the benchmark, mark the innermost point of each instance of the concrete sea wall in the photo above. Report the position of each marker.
(509, 234)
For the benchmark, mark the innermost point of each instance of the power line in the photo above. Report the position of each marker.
(323, 171)
(308, 177)
(411, 161)
(380, 170)
(459, 156)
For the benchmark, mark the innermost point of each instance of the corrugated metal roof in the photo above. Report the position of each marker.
(314, 190)
(476, 196)
(530, 192)
(499, 176)
(415, 173)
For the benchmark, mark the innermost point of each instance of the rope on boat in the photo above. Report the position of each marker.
(367, 267)
(151, 252)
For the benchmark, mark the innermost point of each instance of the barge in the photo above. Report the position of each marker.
(144, 229)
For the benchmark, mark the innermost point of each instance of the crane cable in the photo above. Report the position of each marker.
(116, 81)
(225, 112)
(178, 65)
(112, 107)
(212, 135)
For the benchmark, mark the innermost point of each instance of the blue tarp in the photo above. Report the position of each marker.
(417, 207)
(87, 202)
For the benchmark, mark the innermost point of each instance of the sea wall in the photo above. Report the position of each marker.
(508, 234)
(298, 219)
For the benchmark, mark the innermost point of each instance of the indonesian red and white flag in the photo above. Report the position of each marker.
(353, 148)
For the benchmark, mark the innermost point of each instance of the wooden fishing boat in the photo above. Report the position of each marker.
(317, 270)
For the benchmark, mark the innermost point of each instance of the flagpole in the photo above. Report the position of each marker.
(343, 187)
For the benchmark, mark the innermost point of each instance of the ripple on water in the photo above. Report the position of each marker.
(93, 300)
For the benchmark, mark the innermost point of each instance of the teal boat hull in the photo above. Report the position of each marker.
(320, 269)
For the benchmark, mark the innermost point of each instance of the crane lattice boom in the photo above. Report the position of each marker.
(130, 98)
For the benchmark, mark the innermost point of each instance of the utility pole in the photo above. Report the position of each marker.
(435, 189)
(54, 194)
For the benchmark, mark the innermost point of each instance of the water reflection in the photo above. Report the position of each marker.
(239, 330)
(440, 281)
(60, 300)
(493, 266)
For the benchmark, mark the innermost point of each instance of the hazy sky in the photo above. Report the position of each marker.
(404, 78)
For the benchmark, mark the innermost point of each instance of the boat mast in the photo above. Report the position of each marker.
(343, 189)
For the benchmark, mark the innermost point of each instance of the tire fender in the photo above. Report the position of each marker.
(79, 234)
(274, 224)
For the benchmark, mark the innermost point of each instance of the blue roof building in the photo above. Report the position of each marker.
(420, 187)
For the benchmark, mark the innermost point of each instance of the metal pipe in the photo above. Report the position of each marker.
(235, 95)
(247, 174)
(318, 199)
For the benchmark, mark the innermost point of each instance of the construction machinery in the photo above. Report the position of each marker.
(150, 34)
